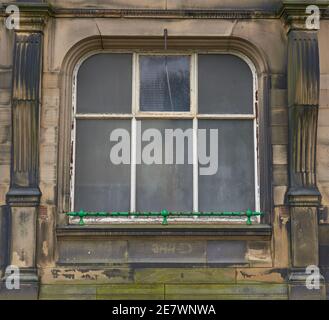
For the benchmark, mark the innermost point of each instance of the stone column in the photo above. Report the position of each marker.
(24, 193)
(303, 196)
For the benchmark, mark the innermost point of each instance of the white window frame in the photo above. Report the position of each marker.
(137, 114)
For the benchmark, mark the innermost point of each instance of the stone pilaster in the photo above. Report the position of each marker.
(303, 196)
(24, 193)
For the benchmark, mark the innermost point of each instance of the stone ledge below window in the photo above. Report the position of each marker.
(203, 230)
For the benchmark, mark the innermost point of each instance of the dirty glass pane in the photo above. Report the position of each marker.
(100, 185)
(232, 187)
(104, 84)
(225, 85)
(165, 83)
(166, 186)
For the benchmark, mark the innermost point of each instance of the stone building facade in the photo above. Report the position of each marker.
(266, 260)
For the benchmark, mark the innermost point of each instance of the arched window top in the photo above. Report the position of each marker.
(226, 82)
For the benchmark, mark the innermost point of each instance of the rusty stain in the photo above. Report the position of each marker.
(275, 275)
(55, 273)
(89, 277)
(45, 249)
(246, 275)
(43, 212)
(18, 259)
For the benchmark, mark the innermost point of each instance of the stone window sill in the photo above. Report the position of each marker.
(204, 230)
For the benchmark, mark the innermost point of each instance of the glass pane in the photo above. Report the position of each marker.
(104, 84)
(165, 83)
(100, 185)
(166, 186)
(225, 85)
(232, 187)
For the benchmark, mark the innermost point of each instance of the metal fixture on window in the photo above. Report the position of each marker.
(165, 214)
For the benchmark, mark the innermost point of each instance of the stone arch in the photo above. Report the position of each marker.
(224, 44)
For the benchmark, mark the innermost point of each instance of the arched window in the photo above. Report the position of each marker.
(154, 131)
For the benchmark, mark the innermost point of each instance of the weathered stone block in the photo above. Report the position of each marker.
(48, 135)
(280, 155)
(279, 81)
(23, 236)
(298, 289)
(324, 100)
(48, 174)
(27, 291)
(324, 115)
(281, 237)
(280, 175)
(300, 292)
(51, 80)
(261, 275)
(3, 191)
(104, 251)
(185, 275)
(5, 174)
(218, 291)
(279, 195)
(5, 154)
(5, 79)
(324, 81)
(259, 253)
(48, 154)
(304, 236)
(49, 116)
(279, 116)
(86, 275)
(67, 292)
(5, 133)
(169, 251)
(323, 136)
(232, 252)
(5, 96)
(279, 134)
(279, 98)
(133, 291)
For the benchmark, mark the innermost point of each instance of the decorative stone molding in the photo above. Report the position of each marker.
(96, 44)
(24, 194)
(33, 16)
(303, 196)
(27, 69)
(25, 115)
(303, 102)
(294, 15)
(43, 10)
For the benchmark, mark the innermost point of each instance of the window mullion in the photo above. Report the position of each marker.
(133, 165)
(195, 166)
(194, 109)
(133, 147)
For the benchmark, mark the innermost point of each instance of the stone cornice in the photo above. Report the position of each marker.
(29, 9)
(33, 17)
(165, 14)
(294, 15)
(37, 13)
